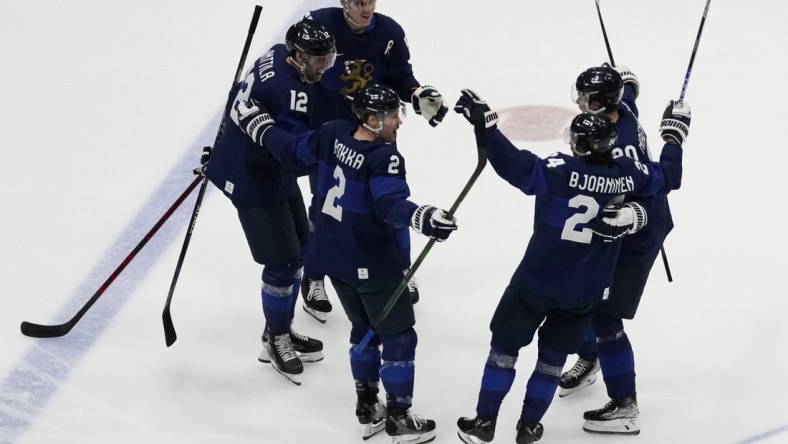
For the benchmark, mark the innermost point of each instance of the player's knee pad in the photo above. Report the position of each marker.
(550, 359)
(607, 328)
(278, 279)
(400, 346)
(357, 333)
(499, 358)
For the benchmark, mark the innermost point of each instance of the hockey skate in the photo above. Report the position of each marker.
(371, 416)
(617, 417)
(478, 430)
(308, 349)
(407, 428)
(413, 290)
(527, 434)
(315, 299)
(580, 376)
(283, 358)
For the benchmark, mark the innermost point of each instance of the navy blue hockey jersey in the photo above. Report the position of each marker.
(564, 260)
(242, 169)
(644, 245)
(362, 214)
(380, 55)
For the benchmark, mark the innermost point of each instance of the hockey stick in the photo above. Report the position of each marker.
(169, 329)
(54, 331)
(681, 98)
(613, 63)
(481, 150)
(694, 51)
(604, 33)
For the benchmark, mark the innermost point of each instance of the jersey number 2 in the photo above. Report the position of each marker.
(330, 206)
(570, 231)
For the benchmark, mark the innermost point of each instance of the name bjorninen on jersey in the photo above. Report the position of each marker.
(600, 184)
(347, 155)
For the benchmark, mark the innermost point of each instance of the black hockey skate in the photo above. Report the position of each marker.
(526, 434)
(617, 417)
(581, 375)
(371, 414)
(283, 357)
(315, 299)
(478, 430)
(308, 349)
(407, 428)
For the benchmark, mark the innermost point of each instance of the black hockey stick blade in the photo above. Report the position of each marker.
(481, 150)
(169, 328)
(54, 331)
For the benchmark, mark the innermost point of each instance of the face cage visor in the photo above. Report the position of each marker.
(570, 138)
(583, 99)
(319, 63)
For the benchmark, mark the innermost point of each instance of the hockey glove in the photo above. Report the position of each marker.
(253, 119)
(675, 122)
(475, 109)
(627, 76)
(617, 220)
(429, 103)
(204, 158)
(433, 222)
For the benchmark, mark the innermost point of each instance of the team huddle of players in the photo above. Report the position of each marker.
(327, 104)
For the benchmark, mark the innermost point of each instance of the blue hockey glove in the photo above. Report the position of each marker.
(475, 109)
(617, 220)
(675, 124)
(433, 222)
(429, 103)
(253, 119)
(204, 158)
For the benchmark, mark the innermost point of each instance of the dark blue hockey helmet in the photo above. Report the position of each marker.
(375, 99)
(310, 38)
(591, 133)
(601, 84)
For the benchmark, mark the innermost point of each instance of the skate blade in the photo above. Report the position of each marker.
(620, 426)
(468, 439)
(372, 429)
(311, 357)
(318, 315)
(564, 392)
(265, 358)
(295, 379)
(414, 438)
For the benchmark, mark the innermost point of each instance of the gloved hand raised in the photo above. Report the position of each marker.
(617, 220)
(433, 222)
(475, 109)
(204, 158)
(627, 76)
(675, 122)
(429, 103)
(252, 118)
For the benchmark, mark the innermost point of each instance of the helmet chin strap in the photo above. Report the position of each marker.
(300, 68)
(375, 131)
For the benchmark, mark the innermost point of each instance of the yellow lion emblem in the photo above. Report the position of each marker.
(357, 72)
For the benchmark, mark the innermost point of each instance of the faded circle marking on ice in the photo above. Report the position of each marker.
(535, 123)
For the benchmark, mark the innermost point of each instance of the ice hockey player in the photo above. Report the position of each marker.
(363, 194)
(266, 196)
(371, 49)
(613, 90)
(570, 190)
